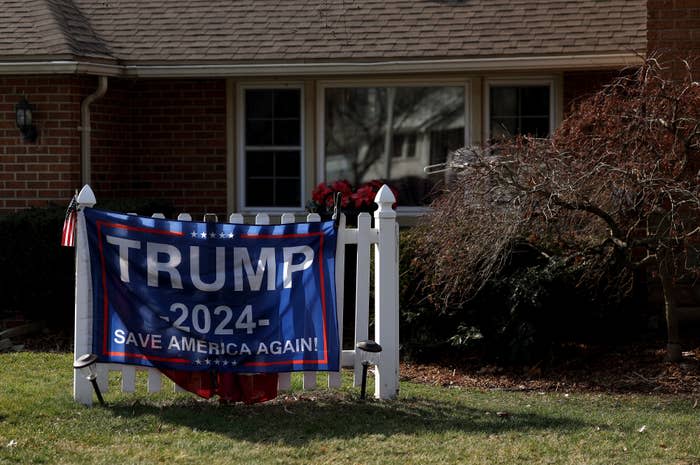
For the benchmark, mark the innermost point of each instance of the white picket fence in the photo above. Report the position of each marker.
(382, 238)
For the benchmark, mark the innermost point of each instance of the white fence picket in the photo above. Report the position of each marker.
(82, 390)
(103, 377)
(284, 380)
(128, 378)
(310, 377)
(262, 218)
(154, 380)
(176, 388)
(386, 302)
(334, 377)
(384, 235)
(364, 221)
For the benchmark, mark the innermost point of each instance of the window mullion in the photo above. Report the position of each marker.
(271, 120)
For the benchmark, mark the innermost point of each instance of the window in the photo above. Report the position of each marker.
(519, 109)
(404, 145)
(392, 133)
(272, 148)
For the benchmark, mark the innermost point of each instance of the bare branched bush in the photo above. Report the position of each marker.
(617, 182)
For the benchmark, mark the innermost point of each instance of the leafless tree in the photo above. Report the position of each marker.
(617, 181)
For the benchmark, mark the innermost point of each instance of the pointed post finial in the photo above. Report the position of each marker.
(385, 200)
(86, 197)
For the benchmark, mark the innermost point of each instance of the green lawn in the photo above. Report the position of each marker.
(425, 425)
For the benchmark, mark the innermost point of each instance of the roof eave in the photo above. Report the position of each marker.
(529, 63)
(184, 70)
(67, 66)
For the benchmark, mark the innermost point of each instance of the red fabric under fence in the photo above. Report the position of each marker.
(230, 387)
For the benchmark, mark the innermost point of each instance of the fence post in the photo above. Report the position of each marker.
(82, 390)
(386, 300)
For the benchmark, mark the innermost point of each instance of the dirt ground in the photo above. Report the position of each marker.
(640, 369)
(580, 368)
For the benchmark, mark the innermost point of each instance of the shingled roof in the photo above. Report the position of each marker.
(49, 29)
(158, 32)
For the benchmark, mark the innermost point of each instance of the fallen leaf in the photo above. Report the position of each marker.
(12, 443)
(503, 414)
(642, 429)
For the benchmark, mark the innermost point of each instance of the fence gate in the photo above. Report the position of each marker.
(382, 238)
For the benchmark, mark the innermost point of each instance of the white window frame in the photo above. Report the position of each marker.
(241, 147)
(554, 104)
(465, 83)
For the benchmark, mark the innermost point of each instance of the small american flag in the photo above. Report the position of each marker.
(68, 236)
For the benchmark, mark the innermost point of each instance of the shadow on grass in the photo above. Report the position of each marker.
(296, 422)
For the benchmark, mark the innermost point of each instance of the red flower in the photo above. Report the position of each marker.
(345, 188)
(361, 198)
(375, 184)
(364, 196)
(321, 193)
(342, 185)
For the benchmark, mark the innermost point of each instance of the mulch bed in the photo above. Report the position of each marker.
(580, 368)
(638, 369)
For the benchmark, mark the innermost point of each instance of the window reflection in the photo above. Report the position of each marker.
(391, 133)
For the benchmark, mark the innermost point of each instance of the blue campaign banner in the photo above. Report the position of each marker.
(197, 296)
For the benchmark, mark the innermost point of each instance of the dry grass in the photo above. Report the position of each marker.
(428, 424)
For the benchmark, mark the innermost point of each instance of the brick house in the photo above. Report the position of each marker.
(244, 106)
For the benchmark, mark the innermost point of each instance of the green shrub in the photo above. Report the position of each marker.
(425, 327)
(521, 315)
(37, 274)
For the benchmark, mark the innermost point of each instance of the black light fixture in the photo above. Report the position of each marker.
(370, 352)
(86, 364)
(23, 117)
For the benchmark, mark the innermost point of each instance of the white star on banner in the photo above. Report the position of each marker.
(230, 235)
(217, 362)
(225, 362)
(194, 234)
(222, 235)
(203, 234)
(234, 363)
(207, 361)
(198, 362)
(212, 235)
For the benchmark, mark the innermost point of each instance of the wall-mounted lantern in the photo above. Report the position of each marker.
(23, 115)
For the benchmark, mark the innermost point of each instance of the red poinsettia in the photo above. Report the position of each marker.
(345, 188)
(364, 196)
(323, 195)
(359, 199)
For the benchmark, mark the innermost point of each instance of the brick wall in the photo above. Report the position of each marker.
(673, 29)
(150, 139)
(111, 139)
(47, 171)
(179, 143)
